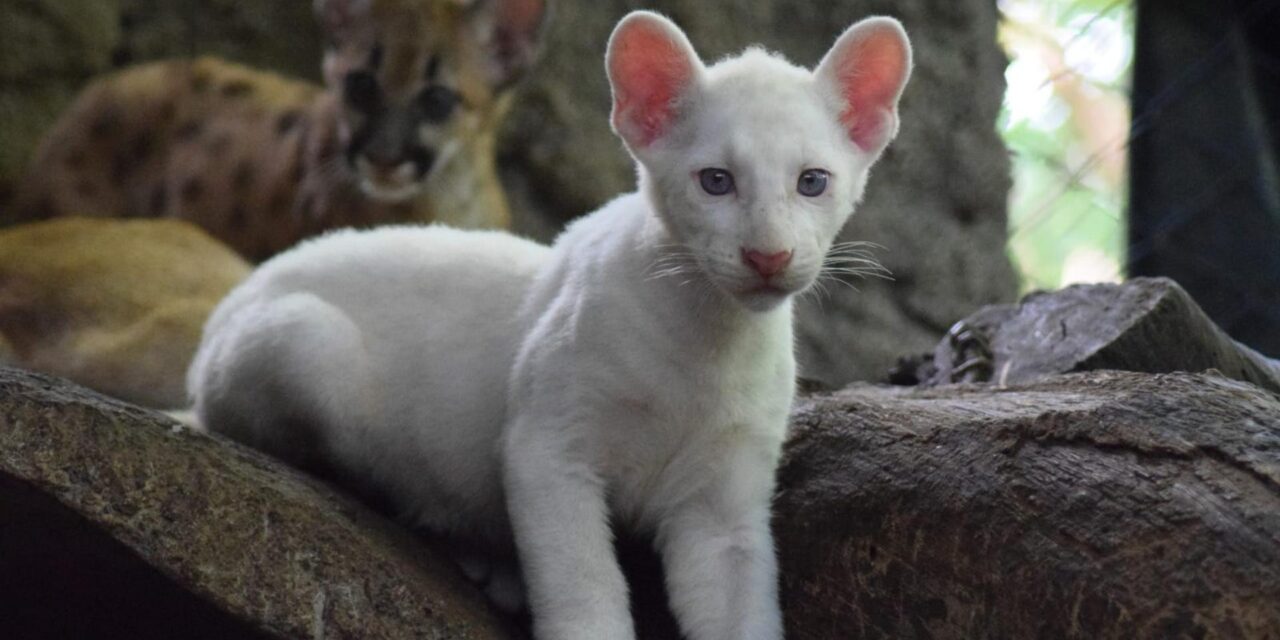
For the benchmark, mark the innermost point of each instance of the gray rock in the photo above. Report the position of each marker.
(55, 38)
(1098, 505)
(1145, 324)
(239, 542)
(281, 36)
(47, 49)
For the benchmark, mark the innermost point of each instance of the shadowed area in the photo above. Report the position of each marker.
(249, 535)
(66, 578)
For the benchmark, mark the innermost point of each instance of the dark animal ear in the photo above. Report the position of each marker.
(343, 19)
(509, 32)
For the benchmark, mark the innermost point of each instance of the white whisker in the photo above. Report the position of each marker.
(675, 260)
(855, 259)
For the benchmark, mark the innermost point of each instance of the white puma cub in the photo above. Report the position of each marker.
(638, 372)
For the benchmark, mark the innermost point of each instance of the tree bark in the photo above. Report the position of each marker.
(117, 523)
(1100, 505)
(1095, 505)
(1145, 324)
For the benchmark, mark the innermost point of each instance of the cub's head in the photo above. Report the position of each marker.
(754, 164)
(418, 79)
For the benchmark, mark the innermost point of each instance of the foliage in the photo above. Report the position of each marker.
(1065, 120)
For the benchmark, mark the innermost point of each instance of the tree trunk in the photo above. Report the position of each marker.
(1095, 505)
(117, 523)
(1146, 324)
(1099, 505)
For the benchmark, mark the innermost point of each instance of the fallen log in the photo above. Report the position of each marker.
(1100, 505)
(1145, 324)
(117, 523)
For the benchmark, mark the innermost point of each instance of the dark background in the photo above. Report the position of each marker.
(1205, 177)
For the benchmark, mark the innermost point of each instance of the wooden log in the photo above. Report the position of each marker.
(1145, 324)
(117, 523)
(1099, 505)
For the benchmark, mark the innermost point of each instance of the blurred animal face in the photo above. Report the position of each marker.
(396, 135)
(418, 78)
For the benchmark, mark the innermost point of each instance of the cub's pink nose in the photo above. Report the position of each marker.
(766, 264)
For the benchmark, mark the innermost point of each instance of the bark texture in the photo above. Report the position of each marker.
(1145, 324)
(1099, 505)
(108, 506)
(1095, 505)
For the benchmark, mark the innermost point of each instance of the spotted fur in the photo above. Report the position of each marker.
(403, 130)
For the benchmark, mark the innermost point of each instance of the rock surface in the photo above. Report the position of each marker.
(257, 547)
(1099, 505)
(47, 50)
(936, 201)
(1145, 324)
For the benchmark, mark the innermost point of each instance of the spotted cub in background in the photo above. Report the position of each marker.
(403, 130)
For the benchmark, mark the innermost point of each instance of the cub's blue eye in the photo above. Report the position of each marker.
(716, 182)
(813, 182)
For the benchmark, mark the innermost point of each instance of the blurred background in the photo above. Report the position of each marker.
(1143, 137)
(1066, 121)
(1044, 142)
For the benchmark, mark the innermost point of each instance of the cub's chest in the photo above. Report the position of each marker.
(692, 433)
(680, 368)
(678, 392)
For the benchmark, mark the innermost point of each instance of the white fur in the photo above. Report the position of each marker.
(629, 375)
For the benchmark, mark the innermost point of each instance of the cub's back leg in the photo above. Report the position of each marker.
(289, 376)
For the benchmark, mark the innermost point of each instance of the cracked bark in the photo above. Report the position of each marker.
(116, 523)
(1097, 505)
(1145, 324)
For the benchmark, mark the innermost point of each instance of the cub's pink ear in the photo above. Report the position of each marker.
(340, 19)
(651, 67)
(867, 68)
